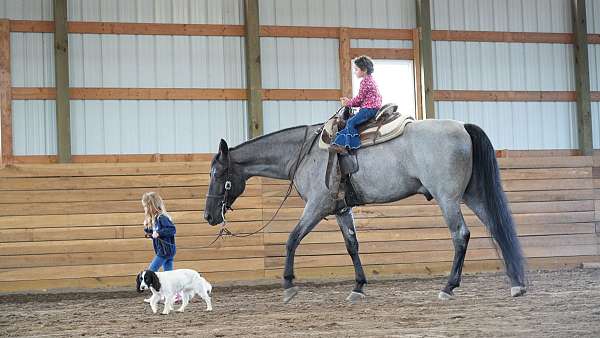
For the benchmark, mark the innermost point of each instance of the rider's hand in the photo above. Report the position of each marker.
(344, 101)
(154, 234)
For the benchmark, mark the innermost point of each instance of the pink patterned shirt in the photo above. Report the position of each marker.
(368, 95)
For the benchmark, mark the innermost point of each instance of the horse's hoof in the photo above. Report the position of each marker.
(288, 294)
(445, 296)
(517, 291)
(355, 296)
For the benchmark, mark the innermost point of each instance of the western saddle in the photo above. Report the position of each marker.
(386, 125)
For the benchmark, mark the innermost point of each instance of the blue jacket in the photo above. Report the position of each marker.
(164, 245)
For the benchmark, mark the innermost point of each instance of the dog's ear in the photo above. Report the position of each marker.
(138, 282)
(154, 281)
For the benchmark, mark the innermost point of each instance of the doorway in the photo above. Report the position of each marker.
(396, 82)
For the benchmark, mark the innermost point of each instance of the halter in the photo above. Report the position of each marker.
(224, 205)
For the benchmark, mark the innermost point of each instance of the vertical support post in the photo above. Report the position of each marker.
(424, 28)
(253, 71)
(345, 63)
(6, 145)
(61, 70)
(582, 78)
(417, 75)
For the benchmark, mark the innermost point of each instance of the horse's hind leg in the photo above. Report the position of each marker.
(346, 222)
(460, 238)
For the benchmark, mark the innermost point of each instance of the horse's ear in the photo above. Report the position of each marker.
(223, 148)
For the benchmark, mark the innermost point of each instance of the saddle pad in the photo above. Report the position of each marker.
(373, 132)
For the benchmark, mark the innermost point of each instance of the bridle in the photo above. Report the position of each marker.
(225, 205)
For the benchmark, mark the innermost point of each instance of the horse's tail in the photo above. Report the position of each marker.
(485, 192)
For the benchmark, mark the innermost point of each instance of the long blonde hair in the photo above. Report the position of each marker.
(154, 206)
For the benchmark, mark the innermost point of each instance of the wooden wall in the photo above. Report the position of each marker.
(79, 225)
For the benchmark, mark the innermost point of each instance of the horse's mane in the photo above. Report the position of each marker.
(271, 134)
(263, 136)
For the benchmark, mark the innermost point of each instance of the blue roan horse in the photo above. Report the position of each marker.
(447, 160)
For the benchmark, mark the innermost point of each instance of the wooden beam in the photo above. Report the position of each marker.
(155, 29)
(29, 26)
(6, 145)
(507, 96)
(593, 39)
(299, 32)
(302, 94)
(426, 61)
(383, 53)
(33, 93)
(253, 69)
(417, 75)
(46, 93)
(379, 34)
(582, 77)
(486, 36)
(157, 94)
(124, 158)
(345, 63)
(61, 70)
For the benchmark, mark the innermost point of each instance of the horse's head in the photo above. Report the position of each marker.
(226, 184)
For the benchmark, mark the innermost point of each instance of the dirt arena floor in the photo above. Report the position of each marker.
(558, 304)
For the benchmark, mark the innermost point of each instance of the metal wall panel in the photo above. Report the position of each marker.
(158, 11)
(502, 15)
(519, 125)
(596, 124)
(283, 114)
(339, 13)
(503, 66)
(26, 9)
(117, 127)
(299, 63)
(594, 64)
(508, 66)
(142, 127)
(593, 16)
(34, 127)
(32, 59)
(156, 61)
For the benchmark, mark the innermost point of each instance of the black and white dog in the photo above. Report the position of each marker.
(167, 284)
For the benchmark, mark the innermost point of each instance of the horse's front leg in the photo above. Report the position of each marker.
(310, 218)
(346, 222)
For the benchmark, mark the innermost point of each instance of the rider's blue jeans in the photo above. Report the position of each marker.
(349, 137)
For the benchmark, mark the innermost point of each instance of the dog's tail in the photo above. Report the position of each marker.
(203, 284)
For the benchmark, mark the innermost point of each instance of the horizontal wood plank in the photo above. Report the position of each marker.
(155, 28)
(82, 271)
(503, 96)
(380, 34)
(488, 36)
(117, 281)
(299, 32)
(430, 268)
(301, 94)
(33, 93)
(31, 26)
(384, 53)
(156, 94)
